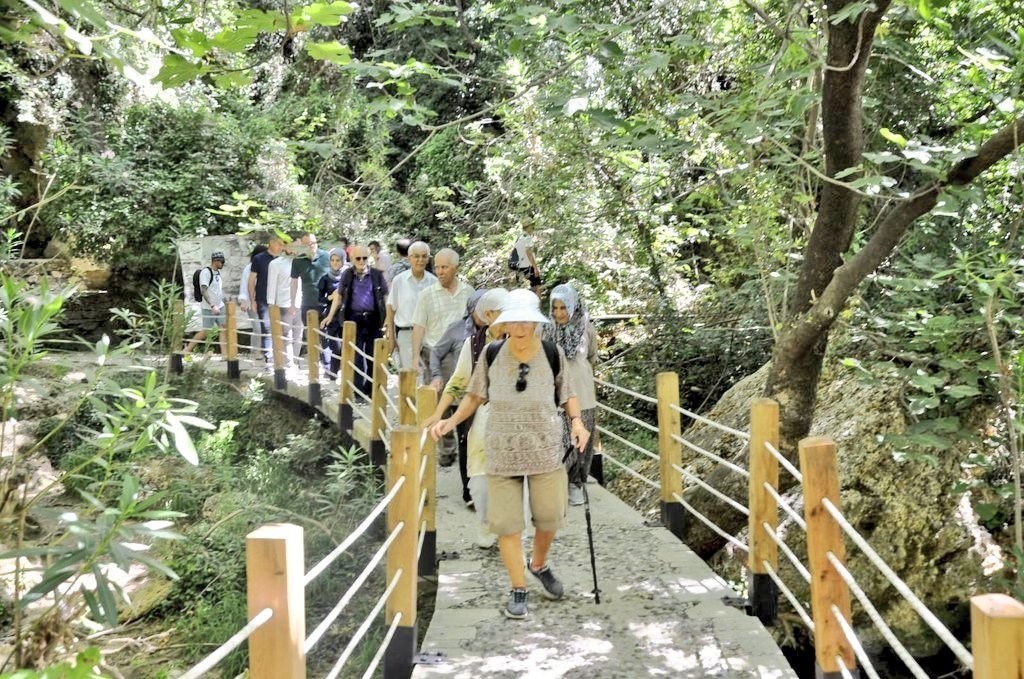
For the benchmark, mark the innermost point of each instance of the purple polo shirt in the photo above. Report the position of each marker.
(362, 292)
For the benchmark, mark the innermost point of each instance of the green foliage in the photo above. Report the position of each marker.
(86, 666)
(152, 330)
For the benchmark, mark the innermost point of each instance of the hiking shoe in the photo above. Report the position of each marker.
(553, 588)
(575, 494)
(516, 606)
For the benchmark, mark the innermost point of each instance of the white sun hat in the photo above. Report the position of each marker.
(522, 306)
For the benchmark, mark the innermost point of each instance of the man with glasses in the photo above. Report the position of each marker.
(405, 292)
(523, 440)
(361, 296)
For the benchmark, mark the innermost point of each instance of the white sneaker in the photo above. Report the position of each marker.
(484, 537)
(575, 494)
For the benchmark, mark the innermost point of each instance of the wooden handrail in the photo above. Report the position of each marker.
(231, 340)
(377, 402)
(997, 636)
(274, 565)
(426, 402)
(403, 462)
(313, 356)
(277, 345)
(764, 468)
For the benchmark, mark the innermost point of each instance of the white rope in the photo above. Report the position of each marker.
(851, 638)
(384, 439)
(781, 544)
(846, 674)
(793, 601)
(387, 398)
(784, 506)
(354, 535)
(901, 587)
(707, 453)
(876, 618)
(359, 372)
(634, 420)
(632, 472)
(383, 646)
(225, 649)
(714, 491)
(361, 632)
(729, 430)
(412, 405)
(423, 465)
(710, 524)
(326, 335)
(362, 353)
(353, 589)
(784, 462)
(361, 412)
(628, 392)
(422, 538)
(629, 444)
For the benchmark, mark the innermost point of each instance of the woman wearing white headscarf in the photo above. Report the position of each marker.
(572, 331)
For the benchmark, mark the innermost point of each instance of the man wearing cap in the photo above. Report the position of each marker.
(212, 304)
(405, 291)
(524, 383)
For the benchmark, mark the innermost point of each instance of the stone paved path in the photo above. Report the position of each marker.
(661, 610)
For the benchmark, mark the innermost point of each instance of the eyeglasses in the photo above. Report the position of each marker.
(359, 259)
(524, 370)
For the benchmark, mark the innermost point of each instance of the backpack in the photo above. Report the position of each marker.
(197, 289)
(513, 259)
(550, 350)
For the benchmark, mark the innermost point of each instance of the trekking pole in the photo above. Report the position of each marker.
(590, 540)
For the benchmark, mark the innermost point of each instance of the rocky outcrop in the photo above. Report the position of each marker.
(908, 511)
(87, 313)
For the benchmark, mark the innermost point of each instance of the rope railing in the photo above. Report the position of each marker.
(225, 649)
(629, 444)
(731, 539)
(711, 423)
(708, 454)
(773, 451)
(629, 392)
(379, 655)
(357, 371)
(364, 627)
(357, 533)
(353, 589)
(781, 503)
(628, 418)
(387, 399)
(360, 352)
(790, 554)
(858, 649)
(788, 593)
(632, 472)
(880, 624)
(742, 509)
(412, 405)
(927, 616)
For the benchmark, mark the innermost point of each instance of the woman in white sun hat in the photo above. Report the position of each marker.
(522, 380)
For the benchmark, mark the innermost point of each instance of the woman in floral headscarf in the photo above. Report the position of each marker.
(571, 330)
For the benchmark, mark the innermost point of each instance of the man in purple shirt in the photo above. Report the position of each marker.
(361, 297)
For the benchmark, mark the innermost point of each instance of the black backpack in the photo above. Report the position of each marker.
(550, 350)
(197, 289)
(513, 259)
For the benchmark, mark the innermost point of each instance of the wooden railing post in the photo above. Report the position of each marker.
(345, 390)
(670, 452)
(426, 402)
(231, 340)
(277, 342)
(406, 392)
(177, 337)
(997, 636)
(378, 387)
(821, 481)
(275, 569)
(313, 356)
(404, 461)
(764, 468)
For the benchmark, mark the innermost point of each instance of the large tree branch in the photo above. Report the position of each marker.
(806, 331)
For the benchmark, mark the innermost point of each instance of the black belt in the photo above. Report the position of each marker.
(398, 328)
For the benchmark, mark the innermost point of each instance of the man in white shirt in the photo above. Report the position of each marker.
(405, 291)
(528, 267)
(284, 292)
(212, 303)
(439, 305)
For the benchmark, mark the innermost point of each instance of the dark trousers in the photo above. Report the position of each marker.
(367, 332)
(462, 435)
(321, 340)
(263, 311)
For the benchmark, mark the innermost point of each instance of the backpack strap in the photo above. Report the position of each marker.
(550, 350)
